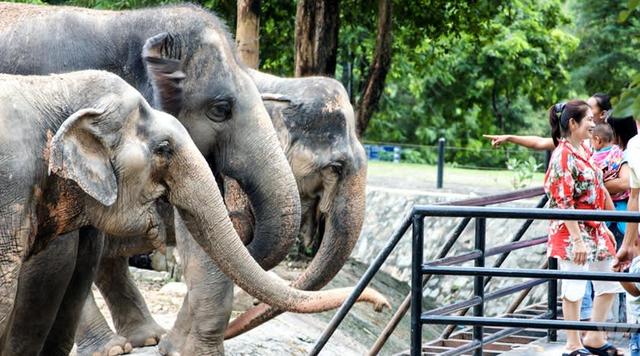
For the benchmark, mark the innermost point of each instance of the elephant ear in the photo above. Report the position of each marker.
(162, 57)
(78, 153)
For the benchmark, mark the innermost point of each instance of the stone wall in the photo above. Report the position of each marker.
(387, 207)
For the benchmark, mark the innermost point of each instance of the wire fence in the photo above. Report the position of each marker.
(509, 157)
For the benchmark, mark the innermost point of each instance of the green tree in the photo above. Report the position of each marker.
(498, 77)
(607, 57)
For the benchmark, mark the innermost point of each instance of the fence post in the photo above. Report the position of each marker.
(547, 158)
(478, 282)
(552, 300)
(416, 285)
(441, 142)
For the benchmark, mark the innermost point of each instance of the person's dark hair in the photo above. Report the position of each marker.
(561, 113)
(603, 100)
(604, 131)
(624, 128)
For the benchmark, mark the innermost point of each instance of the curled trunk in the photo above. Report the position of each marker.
(273, 193)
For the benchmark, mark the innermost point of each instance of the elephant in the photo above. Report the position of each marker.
(101, 160)
(316, 127)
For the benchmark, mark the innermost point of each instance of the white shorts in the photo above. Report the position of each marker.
(573, 289)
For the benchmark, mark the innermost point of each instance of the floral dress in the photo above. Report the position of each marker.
(573, 181)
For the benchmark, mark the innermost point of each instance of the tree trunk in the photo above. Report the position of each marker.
(317, 26)
(247, 32)
(379, 68)
(247, 40)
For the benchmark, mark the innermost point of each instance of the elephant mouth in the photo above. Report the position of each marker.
(217, 174)
(312, 229)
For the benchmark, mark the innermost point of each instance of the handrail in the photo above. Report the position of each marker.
(480, 273)
(404, 307)
(393, 241)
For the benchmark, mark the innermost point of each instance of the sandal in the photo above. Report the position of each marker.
(578, 352)
(605, 350)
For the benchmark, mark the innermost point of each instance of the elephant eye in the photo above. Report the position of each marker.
(220, 110)
(163, 148)
(337, 168)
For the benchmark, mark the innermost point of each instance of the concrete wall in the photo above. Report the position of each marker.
(387, 207)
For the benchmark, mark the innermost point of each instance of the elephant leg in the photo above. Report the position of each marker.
(94, 336)
(210, 298)
(61, 337)
(43, 280)
(173, 342)
(131, 316)
(210, 304)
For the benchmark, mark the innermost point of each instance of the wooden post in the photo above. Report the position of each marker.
(248, 32)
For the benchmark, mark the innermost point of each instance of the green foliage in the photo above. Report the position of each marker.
(607, 57)
(500, 78)
(628, 103)
(523, 171)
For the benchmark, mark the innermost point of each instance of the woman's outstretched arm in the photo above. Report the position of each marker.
(534, 142)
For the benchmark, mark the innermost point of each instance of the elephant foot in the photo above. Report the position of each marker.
(204, 346)
(172, 343)
(146, 334)
(115, 345)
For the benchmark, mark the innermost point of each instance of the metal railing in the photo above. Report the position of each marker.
(480, 272)
(451, 240)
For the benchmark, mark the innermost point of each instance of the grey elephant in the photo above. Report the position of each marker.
(316, 128)
(315, 125)
(85, 149)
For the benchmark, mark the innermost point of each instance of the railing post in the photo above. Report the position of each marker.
(416, 285)
(478, 282)
(547, 159)
(552, 300)
(441, 142)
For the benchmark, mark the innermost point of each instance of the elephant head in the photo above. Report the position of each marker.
(316, 127)
(224, 114)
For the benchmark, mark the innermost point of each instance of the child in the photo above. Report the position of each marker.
(609, 158)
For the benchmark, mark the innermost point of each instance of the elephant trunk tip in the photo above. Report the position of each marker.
(264, 312)
(375, 298)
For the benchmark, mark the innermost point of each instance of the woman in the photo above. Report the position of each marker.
(574, 182)
(600, 105)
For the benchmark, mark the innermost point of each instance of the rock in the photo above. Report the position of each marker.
(148, 275)
(176, 289)
(158, 261)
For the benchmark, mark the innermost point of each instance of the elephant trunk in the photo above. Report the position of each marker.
(273, 194)
(194, 192)
(342, 228)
